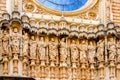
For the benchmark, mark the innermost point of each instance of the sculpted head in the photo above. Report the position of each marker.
(32, 37)
(52, 39)
(41, 39)
(5, 32)
(63, 39)
(15, 30)
(83, 41)
(73, 41)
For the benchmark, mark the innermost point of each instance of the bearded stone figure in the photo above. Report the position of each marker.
(41, 48)
(91, 52)
(15, 38)
(112, 49)
(83, 51)
(63, 50)
(74, 51)
(25, 40)
(5, 43)
(53, 49)
(33, 47)
(100, 50)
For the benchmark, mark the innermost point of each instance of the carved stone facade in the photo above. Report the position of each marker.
(58, 49)
(58, 53)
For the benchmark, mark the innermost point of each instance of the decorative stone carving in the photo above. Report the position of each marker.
(5, 42)
(33, 47)
(25, 40)
(74, 52)
(5, 65)
(91, 52)
(53, 50)
(63, 50)
(118, 51)
(100, 50)
(112, 49)
(15, 44)
(41, 47)
(83, 51)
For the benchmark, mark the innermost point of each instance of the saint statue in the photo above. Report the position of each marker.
(42, 48)
(118, 50)
(15, 38)
(91, 52)
(33, 47)
(100, 50)
(83, 51)
(111, 49)
(74, 51)
(53, 50)
(5, 42)
(63, 50)
(25, 40)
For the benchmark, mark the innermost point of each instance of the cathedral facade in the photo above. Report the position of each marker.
(60, 43)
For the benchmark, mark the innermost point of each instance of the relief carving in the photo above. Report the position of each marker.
(53, 50)
(25, 40)
(15, 41)
(33, 47)
(83, 51)
(42, 48)
(100, 50)
(91, 52)
(63, 50)
(5, 43)
(74, 51)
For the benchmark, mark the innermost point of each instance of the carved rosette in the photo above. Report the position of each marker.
(74, 30)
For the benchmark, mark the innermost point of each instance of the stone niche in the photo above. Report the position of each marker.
(15, 78)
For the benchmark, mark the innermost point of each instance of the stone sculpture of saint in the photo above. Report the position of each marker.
(41, 48)
(53, 50)
(100, 50)
(118, 50)
(63, 50)
(111, 49)
(74, 51)
(91, 52)
(15, 44)
(83, 51)
(25, 40)
(5, 42)
(33, 47)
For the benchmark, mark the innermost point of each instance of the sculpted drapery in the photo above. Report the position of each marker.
(5, 42)
(15, 41)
